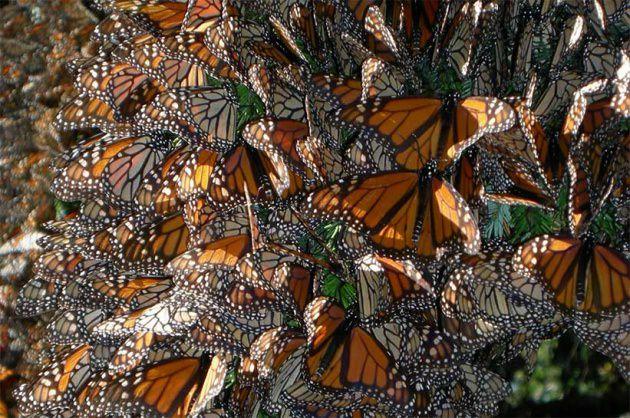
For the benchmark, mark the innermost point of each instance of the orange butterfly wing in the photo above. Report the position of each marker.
(412, 125)
(608, 280)
(446, 217)
(472, 118)
(385, 205)
(557, 260)
(223, 252)
(367, 366)
(168, 386)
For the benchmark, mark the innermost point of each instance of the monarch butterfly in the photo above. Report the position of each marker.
(137, 349)
(471, 334)
(303, 399)
(124, 174)
(456, 299)
(167, 317)
(192, 382)
(115, 28)
(280, 140)
(121, 85)
(387, 287)
(302, 22)
(585, 119)
(56, 385)
(272, 348)
(239, 169)
(582, 276)
(360, 362)
(466, 178)
(621, 84)
(416, 130)
(459, 41)
(115, 168)
(145, 53)
(202, 14)
(222, 225)
(191, 47)
(490, 284)
(39, 295)
(557, 95)
(129, 89)
(358, 8)
(244, 399)
(94, 76)
(221, 254)
(422, 350)
(287, 38)
(338, 92)
(526, 142)
(158, 192)
(248, 301)
(523, 187)
(209, 119)
(599, 59)
(95, 214)
(155, 16)
(389, 206)
(224, 330)
(255, 45)
(144, 247)
(63, 266)
(525, 342)
(478, 389)
(195, 176)
(609, 336)
(570, 37)
(381, 39)
(581, 209)
(214, 115)
(418, 21)
(379, 80)
(214, 333)
(131, 352)
(266, 266)
(324, 162)
(65, 241)
(126, 291)
(283, 273)
(73, 326)
(279, 97)
(85, 113)
(288, 372)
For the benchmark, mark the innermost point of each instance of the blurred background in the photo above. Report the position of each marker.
(37, 37)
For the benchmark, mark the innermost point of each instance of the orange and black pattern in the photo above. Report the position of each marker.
(238, 156)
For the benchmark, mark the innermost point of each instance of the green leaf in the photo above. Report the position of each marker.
(334, 287)
(329, 232)
(528, 222)
(250, 106)
(214, 82)
(230, 379)
(64, 208)
(347, 295)
(606, 227)
(499, 218)
(265, 414)
(292, 323)
(331, 285)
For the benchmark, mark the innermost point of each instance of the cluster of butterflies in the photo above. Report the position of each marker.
(237, 157)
